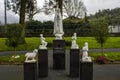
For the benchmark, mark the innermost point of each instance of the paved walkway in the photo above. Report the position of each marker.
(50, 51)
(100, 72)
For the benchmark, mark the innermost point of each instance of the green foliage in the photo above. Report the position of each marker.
(70, 26)
(33, 22)
(112, 16)
(1, 28)
(100, 31)
(13, 35)
(39, 27)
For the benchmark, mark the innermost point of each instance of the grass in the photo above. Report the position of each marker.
(34, 42)
(10, 60)
(115, 56)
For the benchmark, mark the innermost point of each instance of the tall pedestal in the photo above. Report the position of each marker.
(42, 63)
(74, 62)
(86, 71)
(58, 54)
(30, 71)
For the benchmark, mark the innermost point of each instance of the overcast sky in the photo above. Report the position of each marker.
(91, 5)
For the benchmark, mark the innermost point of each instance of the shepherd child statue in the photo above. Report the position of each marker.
(43, 42)
(85, 57)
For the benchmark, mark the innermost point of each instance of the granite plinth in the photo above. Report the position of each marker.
(30, 71)
(58, 54)
(42, 63)
(74, 62)
(86, 71)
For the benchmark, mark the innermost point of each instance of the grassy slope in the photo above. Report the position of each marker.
(34, 42)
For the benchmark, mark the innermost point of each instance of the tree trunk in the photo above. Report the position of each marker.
(14, 52)
(5, 2)
(60, 5)
(102, 49)
(22, 19)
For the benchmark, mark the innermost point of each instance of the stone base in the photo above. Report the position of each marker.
(42, 63)
(58, 61)
(74, 62)
(86, 71)
(30, 71)
(58, 54)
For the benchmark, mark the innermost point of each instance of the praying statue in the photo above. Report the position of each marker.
(58, 25)
(85, 57)
(43, 42)
(74, 44)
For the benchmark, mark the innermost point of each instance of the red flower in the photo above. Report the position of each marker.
(101, 59)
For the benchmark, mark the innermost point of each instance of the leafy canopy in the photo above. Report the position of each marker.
(13, 35)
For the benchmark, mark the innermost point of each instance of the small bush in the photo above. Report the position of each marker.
(13, 35)
(101, 60)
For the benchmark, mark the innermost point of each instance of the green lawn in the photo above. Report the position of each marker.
(10, 60)
(115, 56)
(34, 42)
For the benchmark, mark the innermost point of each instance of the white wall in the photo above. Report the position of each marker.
(114, 29)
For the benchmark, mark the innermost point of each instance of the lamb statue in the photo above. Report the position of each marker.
(43, 42)
(30, 56)
(85, 57)
(74, 44)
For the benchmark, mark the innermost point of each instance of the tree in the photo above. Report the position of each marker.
(13, 33)
(101, 32)
(22, 20)
(49, 6)
(21, 7)
(74, 8)
(60, 4)
(30, 7)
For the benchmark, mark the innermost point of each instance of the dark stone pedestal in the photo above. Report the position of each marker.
(74, 62)
(58, 54)
(42, 62)
(86, 71)
(30, 71)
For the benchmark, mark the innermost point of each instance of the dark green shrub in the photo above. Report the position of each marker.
(13, 35)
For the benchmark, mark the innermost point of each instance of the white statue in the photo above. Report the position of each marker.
(58, 25)
(43, 42)
(30, 56)
(74, 44)
(85, 57)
